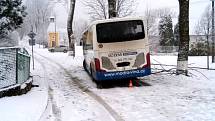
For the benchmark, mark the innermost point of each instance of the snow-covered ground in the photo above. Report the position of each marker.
(59, 98)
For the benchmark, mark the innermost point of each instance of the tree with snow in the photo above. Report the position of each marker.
(12, 13)
(79, 27)
(38, 17)
(152, 15)
(165, 31)
(182, 61)
(198, 49)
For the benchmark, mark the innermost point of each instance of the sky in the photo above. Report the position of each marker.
(197, 7)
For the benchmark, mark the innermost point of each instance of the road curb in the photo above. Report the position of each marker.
(17, 89)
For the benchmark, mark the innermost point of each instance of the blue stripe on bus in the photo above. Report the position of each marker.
(100, 76)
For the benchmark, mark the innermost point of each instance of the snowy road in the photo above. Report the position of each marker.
(69, 99)
(170, 98)
(66, 93)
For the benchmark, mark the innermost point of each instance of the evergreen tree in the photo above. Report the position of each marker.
(11, 15)
(176, 35)
(165, 31)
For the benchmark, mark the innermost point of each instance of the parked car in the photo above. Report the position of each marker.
(61, 48)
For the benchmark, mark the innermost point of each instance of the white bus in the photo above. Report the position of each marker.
(116, 49)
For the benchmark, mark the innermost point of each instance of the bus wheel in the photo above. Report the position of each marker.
(99, 84)
(84, 65)
(91, 73)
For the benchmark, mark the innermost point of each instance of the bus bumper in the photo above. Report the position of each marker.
(101, 76)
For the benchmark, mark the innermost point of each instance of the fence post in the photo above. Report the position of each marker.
(29, 69)
(16, 65)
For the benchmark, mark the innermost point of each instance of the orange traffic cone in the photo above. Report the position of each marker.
(130, 84)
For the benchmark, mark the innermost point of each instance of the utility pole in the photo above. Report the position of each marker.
(212, 31)
(208, 46)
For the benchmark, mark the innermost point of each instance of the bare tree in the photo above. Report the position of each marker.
(112, 8)
(38, 13)
(165, 11)
(79, 27)
(203, 27)
(182, 62)
(98, 9)
(150, 20)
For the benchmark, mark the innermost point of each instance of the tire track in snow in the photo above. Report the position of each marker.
(85, 89)
(56, 111)
(51, 103)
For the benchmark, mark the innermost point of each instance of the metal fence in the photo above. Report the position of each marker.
(23, 67)
(14, 66)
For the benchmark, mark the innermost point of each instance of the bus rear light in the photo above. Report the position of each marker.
(140, 60)
(97, 65)
(107, 64)
(148, 64)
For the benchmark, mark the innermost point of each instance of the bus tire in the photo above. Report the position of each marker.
(99, 84)
(91, 74)
(84, 65)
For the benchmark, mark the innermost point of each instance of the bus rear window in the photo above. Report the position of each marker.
(120, 31)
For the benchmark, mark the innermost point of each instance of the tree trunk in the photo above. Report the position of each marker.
(213, 53)
(182, 62)
(112, 8)
(69, 24)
